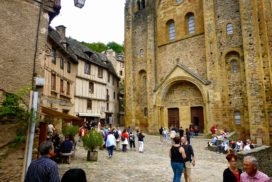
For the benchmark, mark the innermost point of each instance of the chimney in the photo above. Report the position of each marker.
(61, 30)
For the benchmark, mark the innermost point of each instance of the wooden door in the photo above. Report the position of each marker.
(197, 118)
(173, 118)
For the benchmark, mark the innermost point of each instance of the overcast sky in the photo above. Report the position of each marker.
(97, 21)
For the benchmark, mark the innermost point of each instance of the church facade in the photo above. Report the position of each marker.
(200, 62)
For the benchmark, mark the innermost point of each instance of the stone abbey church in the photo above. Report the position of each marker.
(203, 62)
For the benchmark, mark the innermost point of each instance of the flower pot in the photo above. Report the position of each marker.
(92, 155)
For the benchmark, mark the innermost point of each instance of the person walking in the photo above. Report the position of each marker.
(190, 159)
(44, 169)
(232, 173)
(141, 142)
(188, 135)
(124, 140)
(110, 143)
(161, 134)
(131, 140)
(177, 155)
(251, 172)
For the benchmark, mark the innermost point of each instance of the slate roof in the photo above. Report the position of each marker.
(76, 50)
(55, 37)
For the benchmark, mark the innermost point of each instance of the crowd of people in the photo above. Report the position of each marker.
(225, 145)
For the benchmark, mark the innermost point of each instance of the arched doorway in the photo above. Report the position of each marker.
(184, 105)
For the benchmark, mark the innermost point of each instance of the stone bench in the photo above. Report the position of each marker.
(66, 157)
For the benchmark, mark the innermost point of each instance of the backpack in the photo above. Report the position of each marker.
(123, 138)
(116, 134)
(131, 137)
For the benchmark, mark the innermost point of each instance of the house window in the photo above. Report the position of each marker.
(108, 106)
(108, 76)
(141, 53)
(87, 68)
(191, 24)
(113, 80)
(53, 81)
(68, 88)
(121, 73)
(89, 104)
(122, 65)
(61, 86)
(229, 29)
(113, 95)
(54, 55)
(171, 30)
(61, 63)
(100, 72)
(91, 87)
(68, 67)
(234, 66)
(237, 117)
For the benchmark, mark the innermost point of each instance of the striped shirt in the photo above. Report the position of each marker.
(42, 170)
(259, 177)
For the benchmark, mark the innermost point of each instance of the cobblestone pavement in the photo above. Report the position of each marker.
(152, 165)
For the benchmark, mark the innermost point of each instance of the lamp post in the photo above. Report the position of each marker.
(79, 3)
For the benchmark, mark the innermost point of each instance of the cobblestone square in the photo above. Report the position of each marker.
(152, 165)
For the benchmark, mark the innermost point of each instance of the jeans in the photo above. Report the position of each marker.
(124, 147)
(177, 169)
(110, 150)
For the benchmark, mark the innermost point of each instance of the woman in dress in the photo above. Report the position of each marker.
(232, 173)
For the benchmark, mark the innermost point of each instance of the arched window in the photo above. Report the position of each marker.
(191, 23)
(171, 30)
(229, 29)
(234, 66)
(237, 117)
(141, 53)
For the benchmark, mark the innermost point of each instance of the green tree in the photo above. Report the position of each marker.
(95, 46)
(115, 46)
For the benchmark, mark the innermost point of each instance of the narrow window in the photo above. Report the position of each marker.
(100, 72)
(61, 86)
(237, 117)
(68, 88)
(143, 4)
(54, 55)
(91, 87)
(138, 4)
(89, 104)
(229, 29)
(87, 68)
(61, 63)
(145, 111)
(53, 82)
(68, 67)
(171, 30)
(113, 95)
(191, 24)
(108, 76)
(234, 66)
(141, 53)
(113, 80)
(121, 73)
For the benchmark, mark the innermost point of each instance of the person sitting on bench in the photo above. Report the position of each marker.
(66, 149)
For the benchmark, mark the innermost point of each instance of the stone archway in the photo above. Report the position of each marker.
(188, 99)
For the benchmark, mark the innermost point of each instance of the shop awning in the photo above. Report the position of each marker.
(95, 115)
(61, 115)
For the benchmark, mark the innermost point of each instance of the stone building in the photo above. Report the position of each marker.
(23, 32)
(200, 62)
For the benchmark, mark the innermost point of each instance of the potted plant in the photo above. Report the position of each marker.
(70, 131)
(91, 141)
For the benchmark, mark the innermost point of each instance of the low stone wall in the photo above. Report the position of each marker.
(264, 156)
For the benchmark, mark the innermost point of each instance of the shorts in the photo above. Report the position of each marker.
(188, 166)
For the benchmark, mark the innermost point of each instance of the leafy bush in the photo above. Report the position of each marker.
(92, 140)
(70, 130)
(19, 139)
